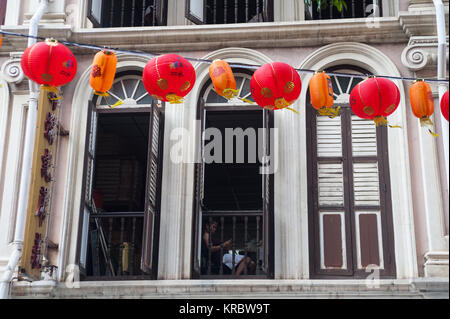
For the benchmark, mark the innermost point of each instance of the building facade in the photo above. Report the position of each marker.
(130, 198)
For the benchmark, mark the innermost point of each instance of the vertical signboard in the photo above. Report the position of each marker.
(40, 186)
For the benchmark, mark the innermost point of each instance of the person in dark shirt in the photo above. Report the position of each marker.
(213, 249)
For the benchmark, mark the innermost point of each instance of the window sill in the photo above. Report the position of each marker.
(392, 288)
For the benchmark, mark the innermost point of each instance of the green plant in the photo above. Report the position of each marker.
(323, 4)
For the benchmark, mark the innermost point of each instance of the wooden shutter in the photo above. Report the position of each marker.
(89, 173)
(196, 11)
(350, 215)
(153, 188)
(267, 180)
(199, 191)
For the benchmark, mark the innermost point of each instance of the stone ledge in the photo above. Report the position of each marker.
(240, 289)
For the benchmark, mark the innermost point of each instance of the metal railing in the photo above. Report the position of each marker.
(114, 244)
(245, 256)
(355, 9)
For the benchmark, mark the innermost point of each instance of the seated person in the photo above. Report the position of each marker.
(212, 249)
(240, 261)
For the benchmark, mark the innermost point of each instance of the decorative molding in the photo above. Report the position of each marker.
(436, 264)
(421, 53)
(11, 70)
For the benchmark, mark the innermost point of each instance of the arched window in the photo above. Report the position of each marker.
(349, 201)
(230, 189)
(122, 183)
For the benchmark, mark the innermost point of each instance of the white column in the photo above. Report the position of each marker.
(291, 196)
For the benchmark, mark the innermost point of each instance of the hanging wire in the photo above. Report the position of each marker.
(235, 65)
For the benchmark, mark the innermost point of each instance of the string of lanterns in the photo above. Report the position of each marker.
(273, 86)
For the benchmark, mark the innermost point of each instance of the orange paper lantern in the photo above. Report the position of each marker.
(444, 106)
(169, 78)
(223, 79)
(49, 63)
(103, 72)
(275, 86)
(375, 99)
(321, 93)
(422, 104)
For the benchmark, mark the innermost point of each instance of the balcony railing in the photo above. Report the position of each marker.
(245, 229)
(114, 246)
(355, 9)
(127, 13)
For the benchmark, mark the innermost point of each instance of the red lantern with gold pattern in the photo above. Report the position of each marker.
(275, 86)
(169, 78)
(422, 104)
(375, 99)
(49, 63)
(444, 105)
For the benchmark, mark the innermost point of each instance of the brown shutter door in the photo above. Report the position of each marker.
(153, 190)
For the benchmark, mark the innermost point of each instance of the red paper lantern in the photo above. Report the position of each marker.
(444, 105)
(275, 86)
(49, 63)
(169, 78)
(375, 99)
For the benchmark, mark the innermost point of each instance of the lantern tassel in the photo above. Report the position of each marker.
(292, 110)
(50, 88)
(395, 126)
(174, 99)
(426, 121)
(104, 94)
(230, 93)
(116, 104)
(328, 111)
(246, 100)
(380, 121)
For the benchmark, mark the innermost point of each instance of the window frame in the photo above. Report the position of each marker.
(349, 209)
(267, 191)
(150, 270)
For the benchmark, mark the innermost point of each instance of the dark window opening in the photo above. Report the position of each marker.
(355, 9)
(234, 186)
(126, 13)
(230, 191)
(119, 228)
(119, 195)
(229, 11)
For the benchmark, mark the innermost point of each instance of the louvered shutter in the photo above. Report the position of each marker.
(267, 180)
(89, 164)
(199, 189)
(349, 205)
(153, 187)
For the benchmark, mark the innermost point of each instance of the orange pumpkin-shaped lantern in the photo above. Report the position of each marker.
(223, 79)
(444, 105)
(275, 86)
(375, 99)
(169, 78)
(49, 63)
(321, 93)
(422, 104)
(103, 72)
